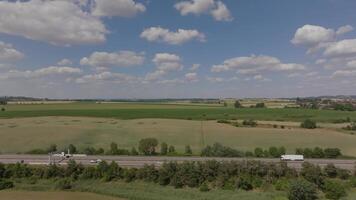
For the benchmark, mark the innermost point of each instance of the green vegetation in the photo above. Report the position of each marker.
(318, 152)
(52, 195)
(198, 180)
(171, 111)
(309, 124)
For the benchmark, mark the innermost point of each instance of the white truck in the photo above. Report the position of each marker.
(292, 157)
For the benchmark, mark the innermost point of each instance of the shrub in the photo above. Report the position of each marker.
(148, 146)
(309, 124)
(282, 184)
(302, 190)
(171, 149)
(188, 151)
(343, 174)
(134, 152)
(332, 152)
(204, 187)
(223, 121)
(164, 148)
(244, 183)
(260, 105)
(249, 122)
(3, 109)
(258, 152)
(64, 184)
(330, 170)
(334, 190)
(237, 104)
(6, 184)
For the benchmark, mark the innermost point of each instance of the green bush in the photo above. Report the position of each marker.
(6, 184)
(309, 124)
(334, 189)
(64, 184)
(282, 184)
(249, 122)
(204, 187)
(302, 190)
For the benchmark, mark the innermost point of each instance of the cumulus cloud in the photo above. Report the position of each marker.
(65, 62)
(120, 8)
(344, 29)
(57, 22)
(120, 59)
(167, 62)
(221, 13)
(42, 72)
(341, 48)
(8, 53)
(106, 77)
(317, 37)
(255, 64)
(344, 73)
(194, 67)
(191, 77)
(215, 8)
(158, 34)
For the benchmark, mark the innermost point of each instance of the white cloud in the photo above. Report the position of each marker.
(254, 64)
(8, 53)
(181, 36)
(167, 62)
(153, 76)
(216, 8)
(106, 77)
(351, 64)
(120, 8)
(42, 72)
(316, 37)
(120, 59)
(57, 22)
(344, 73)
(310, 35)
(221, 13)
(65, 62)
(341, 48)
(194, 67)
(344, 29)
(191, 77)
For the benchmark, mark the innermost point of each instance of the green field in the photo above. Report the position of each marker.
(24, 134)
(171, 111)
(26, 195)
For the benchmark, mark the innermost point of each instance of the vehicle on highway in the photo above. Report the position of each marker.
(292, 158)
(95, 161)
(68, 155)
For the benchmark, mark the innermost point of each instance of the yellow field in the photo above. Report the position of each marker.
(26, 195)
(24, 134)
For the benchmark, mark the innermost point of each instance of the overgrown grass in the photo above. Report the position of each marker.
(195, 112)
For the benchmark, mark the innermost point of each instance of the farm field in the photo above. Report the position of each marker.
(24, 134)
(172, 111)
(26, 195)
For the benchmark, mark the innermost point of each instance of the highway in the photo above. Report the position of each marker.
(139, 161)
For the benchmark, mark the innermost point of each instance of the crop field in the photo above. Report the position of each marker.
(172, 111)
(26, 195)
(24, 134)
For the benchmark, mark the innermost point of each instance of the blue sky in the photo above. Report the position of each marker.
(177, 49)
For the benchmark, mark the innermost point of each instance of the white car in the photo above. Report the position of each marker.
(96, 161)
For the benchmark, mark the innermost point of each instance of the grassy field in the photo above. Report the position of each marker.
(30, 195)
(148, 191)
(171, 111)
(23, 134)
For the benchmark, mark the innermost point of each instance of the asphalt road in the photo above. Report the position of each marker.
(139, 161)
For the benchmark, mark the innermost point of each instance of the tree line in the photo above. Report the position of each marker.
(232, 175)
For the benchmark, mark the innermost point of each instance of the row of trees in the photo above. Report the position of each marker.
(149, 146)
(243, 175)
(237, 104)
(319, 152)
